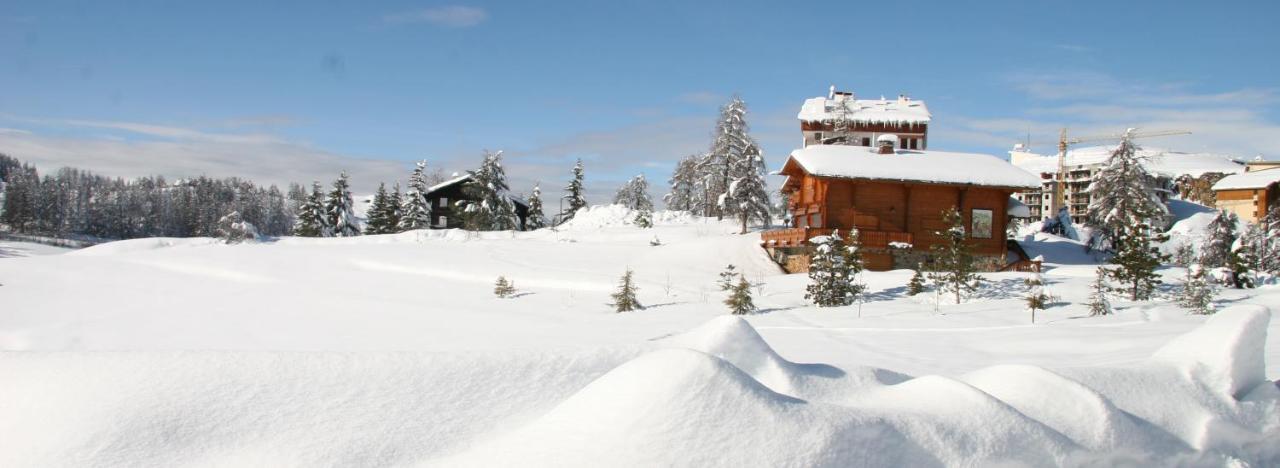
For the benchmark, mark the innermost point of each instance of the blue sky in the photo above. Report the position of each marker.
(280, 91)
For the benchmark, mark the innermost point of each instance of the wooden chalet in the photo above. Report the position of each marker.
(1250, 194)
(896, 199)
(444, 198)
(841, 118)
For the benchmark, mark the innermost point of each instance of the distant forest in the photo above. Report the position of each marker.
(73, 202)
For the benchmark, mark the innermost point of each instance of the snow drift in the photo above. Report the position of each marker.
(717, 395)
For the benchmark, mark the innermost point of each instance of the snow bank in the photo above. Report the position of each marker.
(1226, 352)
(144, 244)
(601, 216)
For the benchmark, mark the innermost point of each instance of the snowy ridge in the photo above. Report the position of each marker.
(715, 396)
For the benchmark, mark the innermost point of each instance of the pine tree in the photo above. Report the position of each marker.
(1238, 266)
(574, 195)
(339, 209)
(232, 229)
(395, 202)
(492, 209)
(953, 268)
(833, 270)
(503, 288)
(1137, 261)
(726, 278)
(733, 171)
(739, 300)
(1036, 298)
(1265, 242)
(1185, 255)
(536, 219)
(415, 210)
(684, 184)
(1222, 236)
(311, 220)
(625, 299)
(644, 218)
(1122, 195)
(916, 285)
(635, 196)
(1099, 304)
(378, 220)
(1197, 292)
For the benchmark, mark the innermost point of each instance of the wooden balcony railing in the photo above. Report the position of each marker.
(797, 237)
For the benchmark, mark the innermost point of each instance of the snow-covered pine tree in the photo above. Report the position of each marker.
(378, 221)
(1136, 260)
(625, 299)
(1122, 195)
(916, 284)
(1099, 304)
(735, 159)
(311, 220)
(685, 185)
(537, 218)
(833, 270)
(233, 229)
(492, 209)
(1184, 255)
(953, 263)
(1239, 266)
(644, 218)
(395, 203)
(1266, 243)
(1036, 298)
(339, 209)
(748, 198)
(1197, 293)
(574, 194)
(635, 196)
(415, 210)
(726, 278)
(1221, 237)
(739, 300)
(503, 288)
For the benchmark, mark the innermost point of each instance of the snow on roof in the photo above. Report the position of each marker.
(1018, 209)
(902, 110)
(887, 138)
(1249, 180)
(1159, 161)
(937, 167)
(461, 178)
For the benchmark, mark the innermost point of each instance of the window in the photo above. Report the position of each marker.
(817, 137)
(442, 202)
(902, 143)
(866, 141)
(444, 221)
(981, 222)
(815, 220)
(915, 142)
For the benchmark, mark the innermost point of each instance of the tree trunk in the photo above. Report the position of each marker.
(744, 223)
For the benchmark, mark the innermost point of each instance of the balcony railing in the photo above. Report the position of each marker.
(797, 237)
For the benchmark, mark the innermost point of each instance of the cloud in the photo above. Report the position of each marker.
(1234, 122)
(178, 152)
(453, 16)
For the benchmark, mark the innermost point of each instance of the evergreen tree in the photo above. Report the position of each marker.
(833, 270)
(1036, 298)
(1122, 195)
(379, 218)
(726, 278)
(625, 299)
(311, 219)
(644, 218)
(685, 185)
(415, 210)
(339, 209)
(1197, 292)
(1222, 236)
(232, 229)
(1137, 261)
(1185, 255)
(746, 197)
(1240, 274)
(953, 261)
(739, 300)
(395, 212)
(574, 194)
(1264, 242)
(537, 219)
(503, 288)
(1099, 304)
(492, 209)
(916, 285)
(635, 196)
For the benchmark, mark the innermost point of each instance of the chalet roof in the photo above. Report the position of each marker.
(903, 110)
(922, 166)
(466, 177)
(1249, 180)
(1159, 161)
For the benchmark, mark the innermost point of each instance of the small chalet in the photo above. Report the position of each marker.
(444, 198)
(896, 198)
(841, 118)
(1250, 194)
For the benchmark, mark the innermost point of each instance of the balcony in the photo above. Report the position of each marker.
(798, 237)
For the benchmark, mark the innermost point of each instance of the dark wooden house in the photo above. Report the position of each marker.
(444, 198)
(896, 199)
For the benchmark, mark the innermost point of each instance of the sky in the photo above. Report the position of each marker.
(298, 91)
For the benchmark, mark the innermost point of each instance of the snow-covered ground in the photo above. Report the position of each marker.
(410, 359)
(10, 249)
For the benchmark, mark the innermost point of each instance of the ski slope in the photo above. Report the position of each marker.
(392, 350)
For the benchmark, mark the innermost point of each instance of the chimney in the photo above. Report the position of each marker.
(885, 143)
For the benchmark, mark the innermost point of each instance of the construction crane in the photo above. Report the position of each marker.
(1059, 189)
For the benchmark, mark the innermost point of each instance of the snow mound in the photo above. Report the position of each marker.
(602, 216)
(144, 244)
(680, 407)
(1226, 352)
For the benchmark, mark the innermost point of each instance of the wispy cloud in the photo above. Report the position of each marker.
(1234, 121)
(454, 16)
